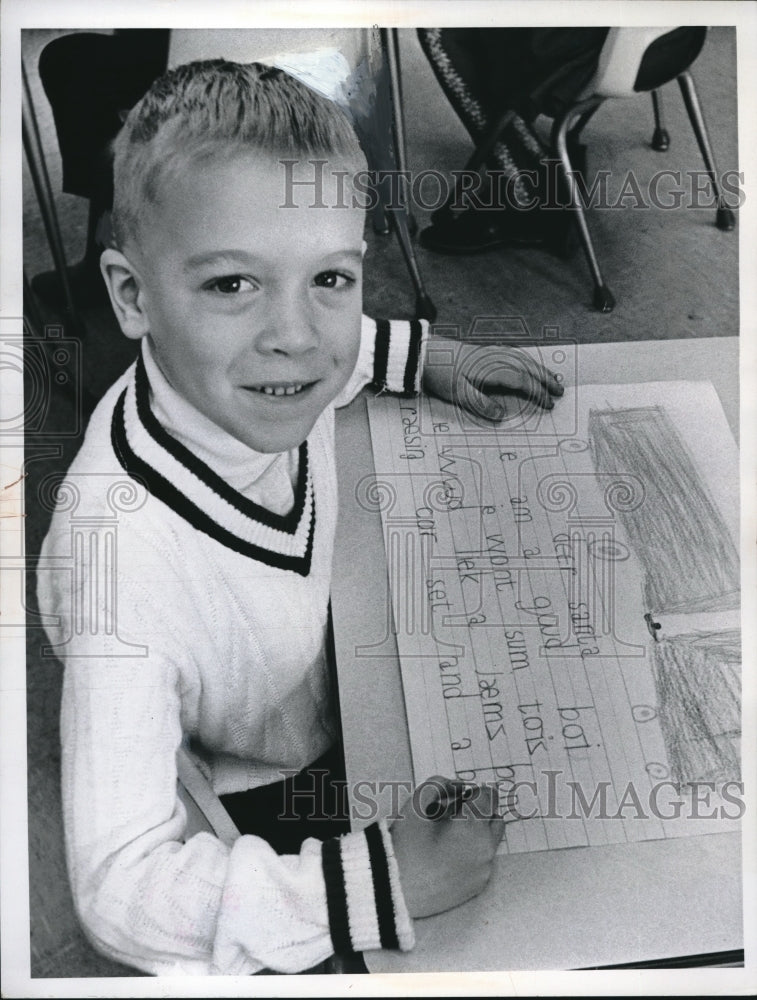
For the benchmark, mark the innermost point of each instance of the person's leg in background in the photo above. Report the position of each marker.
(479, 87)
(483, 73)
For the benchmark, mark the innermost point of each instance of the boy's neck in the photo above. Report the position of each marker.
(266, 478)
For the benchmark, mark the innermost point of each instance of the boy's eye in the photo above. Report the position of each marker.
(332, 279)
(231, 284)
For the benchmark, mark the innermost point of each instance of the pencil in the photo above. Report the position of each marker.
(448, 800)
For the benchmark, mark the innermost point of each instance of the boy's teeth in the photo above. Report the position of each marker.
(280, 390)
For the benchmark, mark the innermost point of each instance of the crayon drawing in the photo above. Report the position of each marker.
(689, 560)
(697, 677)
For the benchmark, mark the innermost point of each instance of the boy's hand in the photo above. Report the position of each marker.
(447, 861)
(465, 374)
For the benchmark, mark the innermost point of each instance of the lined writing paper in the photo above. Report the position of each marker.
(529, 564)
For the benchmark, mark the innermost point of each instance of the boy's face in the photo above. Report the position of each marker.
(253, 309)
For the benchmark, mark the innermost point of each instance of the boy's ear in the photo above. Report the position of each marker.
(125, 293)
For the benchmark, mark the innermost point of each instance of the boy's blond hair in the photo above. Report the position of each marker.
(218, 108)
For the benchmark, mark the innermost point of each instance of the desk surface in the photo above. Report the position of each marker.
(549, 909)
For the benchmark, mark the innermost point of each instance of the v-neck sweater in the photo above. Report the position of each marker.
(192, 614)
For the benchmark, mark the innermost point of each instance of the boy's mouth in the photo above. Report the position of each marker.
(281, 388)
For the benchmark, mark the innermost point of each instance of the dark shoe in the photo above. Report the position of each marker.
(476, 231)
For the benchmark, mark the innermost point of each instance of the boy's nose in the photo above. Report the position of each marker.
(289, 328)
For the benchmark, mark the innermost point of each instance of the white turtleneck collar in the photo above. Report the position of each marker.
(265, 479)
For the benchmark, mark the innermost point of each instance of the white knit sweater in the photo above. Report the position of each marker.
(189, 612)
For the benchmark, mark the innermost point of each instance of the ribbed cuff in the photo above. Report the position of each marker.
(365, 903)
(397, 357)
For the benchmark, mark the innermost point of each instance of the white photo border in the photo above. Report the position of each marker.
(14, 915)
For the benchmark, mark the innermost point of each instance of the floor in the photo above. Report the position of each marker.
(674, 275)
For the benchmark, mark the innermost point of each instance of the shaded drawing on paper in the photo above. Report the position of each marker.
(697, 677)
(689, 559)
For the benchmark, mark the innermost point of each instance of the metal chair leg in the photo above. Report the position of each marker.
(604, 300)
(35, 159)
(398, 119)
(725, 218)
(401, 217)
(424, 307)
(574, 132)
(32, 315)
(380, 222)
(398, 101)
(660, 138)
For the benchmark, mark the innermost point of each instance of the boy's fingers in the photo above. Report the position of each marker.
(477, 402)
(517, 361)
(544, 375)
(497, 830)
(552, 383)
(540, 394)
(537, 386)
(536, 369)
(496, 825)
(489, 801)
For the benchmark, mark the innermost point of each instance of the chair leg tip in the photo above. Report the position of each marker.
(660, 140)
(380, 221)
(604, 300)
(725, 220)
(425, 308)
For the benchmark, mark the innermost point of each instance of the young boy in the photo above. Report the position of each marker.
(214, 598)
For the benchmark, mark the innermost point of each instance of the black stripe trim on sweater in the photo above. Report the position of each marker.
(160, 488)
(336, 895)
(382, 887)
(413, 357)
(288, 523)
(381, 353)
